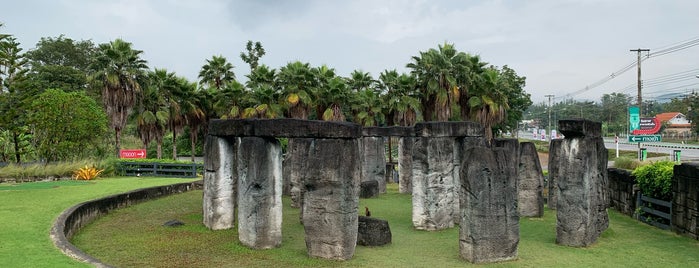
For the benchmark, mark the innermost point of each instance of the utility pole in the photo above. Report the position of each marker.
(638, 64)
(549, 129)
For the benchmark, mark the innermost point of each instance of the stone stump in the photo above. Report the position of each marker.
(369, 189)
(374, 161)
(259, 197)
(581, 167)
(373, 232)
(330, 198)
(489, 229)
(405, 165)
(220, 184)
(530, 185)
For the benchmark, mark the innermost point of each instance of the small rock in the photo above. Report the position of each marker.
(373, 232)
(369, 189)
(173, 223)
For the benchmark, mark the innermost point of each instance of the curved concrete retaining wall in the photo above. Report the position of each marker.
(74, 218)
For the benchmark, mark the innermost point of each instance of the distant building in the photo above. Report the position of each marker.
(676, 124)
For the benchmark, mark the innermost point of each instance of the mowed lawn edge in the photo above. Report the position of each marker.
(28, 211)
(135, 237)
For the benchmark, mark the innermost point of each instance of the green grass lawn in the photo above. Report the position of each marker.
(135, 237)
(28, 210)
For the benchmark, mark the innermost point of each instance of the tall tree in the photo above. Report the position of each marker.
(193, 109)
(217, 72)
(517, 99)
(488, 102)
(401, 98)
(60, 63)
(439, 73)
(152, 119)
(255, 51)
(118, 67)
(296, 81)
(359, 81)
(15, 96)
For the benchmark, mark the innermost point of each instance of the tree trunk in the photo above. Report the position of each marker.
(117, 139)
(174, 145)
(160, 148)
(193, 141)
(15, 138)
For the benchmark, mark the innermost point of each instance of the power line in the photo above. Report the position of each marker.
(679, 46)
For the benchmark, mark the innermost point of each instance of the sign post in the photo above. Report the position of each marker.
(135, 153)
(616, 141)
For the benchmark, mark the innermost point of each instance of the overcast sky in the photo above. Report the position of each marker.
(560, 46)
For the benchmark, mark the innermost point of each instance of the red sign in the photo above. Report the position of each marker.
(648, 126)
(137, 153)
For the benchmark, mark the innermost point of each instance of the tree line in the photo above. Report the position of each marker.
(612, 111)
(67, 99)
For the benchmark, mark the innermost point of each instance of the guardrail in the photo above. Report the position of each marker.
(159, 169)
(656, 208)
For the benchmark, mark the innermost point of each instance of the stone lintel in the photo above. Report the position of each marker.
(572, 128)
(449, 129)
(388, 132)
(286, 127)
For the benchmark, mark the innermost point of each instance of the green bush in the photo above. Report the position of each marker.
(655, 180)
(627, 163)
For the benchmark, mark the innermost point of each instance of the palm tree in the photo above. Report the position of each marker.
(359, 81)
(367, 107)
(118, 67)
(488, 104)
(261, 75)
(193, 103)
(177, 101)
(229, 101)
(263, 103)
(472, 77)
(439, 73)
(296, 81)
(151, 121)
(331, 98)
(401, 98)
(217, 72)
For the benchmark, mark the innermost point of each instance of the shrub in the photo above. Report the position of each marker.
(627, 163)
(655, 180)
(87, 173)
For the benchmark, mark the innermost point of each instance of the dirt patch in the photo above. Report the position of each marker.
(544, 160)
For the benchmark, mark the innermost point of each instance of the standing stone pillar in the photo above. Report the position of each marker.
(554, 172)
(489, 229)
(330, 198)
(219, 198)
(433, 183)
(374, 161)
(405, 165)
(435, 191)
(530, 185)
(294, 165)
(581, 164)
(260, 192)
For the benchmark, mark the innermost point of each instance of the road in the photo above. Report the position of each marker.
(688, 152)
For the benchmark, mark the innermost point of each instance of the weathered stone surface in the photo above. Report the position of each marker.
(685, 200)
(623, 190)
(373, 232)
(331, 197)
(219, 198)
(405, 165)
(511, 145)
(433, 183)
(259, 197)
(369, 189)
(582, 191)
(388, 131)
(296, 163)
(530, 185)
(448, 129)
(286, 127)
(580, 128)
(489, 229)
(554, 172)
(374, 161)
